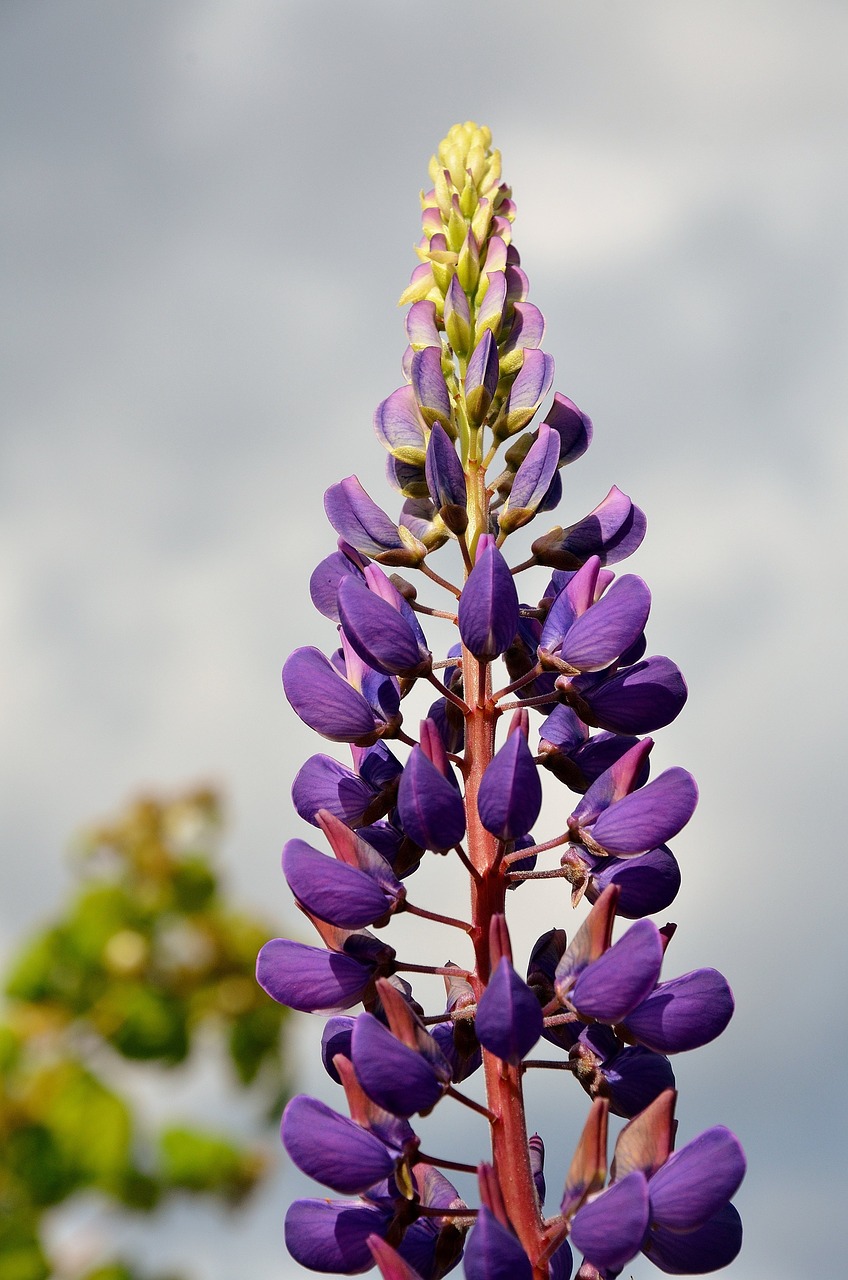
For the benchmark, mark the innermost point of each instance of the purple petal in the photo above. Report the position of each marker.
(562, 1263)
(634, 1078)
(623, 976)
(648, 817)
(641, 699)
(573, 427)
(428, 385)
(531, 385)
(490, 311)
(378, 632)
(612, 531)
(325, 580)
(528, 327)
(684, 1013)
(481, 379)
(609, 627)
(310, 979)
(332, 1149)
(649, 882)
(331, 1235)
(493, 1253)
(324, 700)
(399, 425)
(335, 1039)
(430, 806)
(359, 520)
(389, 1262)
(421, 328)
(445, 477)
(488, 606)
(509, 1017)
(698, 1180)
(614, 784)
(713, 1246)
(394, 1076)
(532, 480)
(510, 795)
(331, 890)
(609, 1230)
(325, 783)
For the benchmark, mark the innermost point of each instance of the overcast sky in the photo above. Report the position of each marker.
(208, 210)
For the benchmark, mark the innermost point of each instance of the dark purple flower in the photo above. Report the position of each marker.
(493, 1253)
(509, 1019)
(332, 1235)
(610, 1229)
(648, 882)
(683, 1013)
(573, 427)
(488, 606)
(395, 1075)
(379, 631)
(708, 1248)
(366, 527)
(510, 794)
(429, 804)
(311, 979)
(613, 531)
(629, 1076)
(637, 699)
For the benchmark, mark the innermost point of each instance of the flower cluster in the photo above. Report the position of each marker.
(475, 377)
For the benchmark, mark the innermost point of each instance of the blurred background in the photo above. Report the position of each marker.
(208, 210)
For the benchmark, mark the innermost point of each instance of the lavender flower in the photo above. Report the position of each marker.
(472, 470)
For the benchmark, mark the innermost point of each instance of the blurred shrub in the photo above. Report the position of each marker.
(147, 953)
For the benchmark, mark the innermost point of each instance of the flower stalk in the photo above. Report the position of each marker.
(476, 377)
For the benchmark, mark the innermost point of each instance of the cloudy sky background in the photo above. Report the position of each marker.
(207, 216)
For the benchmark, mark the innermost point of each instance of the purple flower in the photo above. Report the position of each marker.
(509, 1019)
(510, 795)
(488, 606)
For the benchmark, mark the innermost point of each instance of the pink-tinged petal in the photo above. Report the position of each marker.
(389, 1262)
(333, 1149)
(696, 1253)
(610, 1229)
(430, 807)
(588, 1168)
(698, 1180)
(310, 979)
(684, 1013)
(510, 795)
(493, 1253)
(648, 817)
(421, 327)
(331, 890)
(324, 700)
(645, 1142)
(509, 1017)
(622, 977)
(573, 427)
(488, 607)
(610, 627)
(332, 1235)
(640, 699)
(379, 633)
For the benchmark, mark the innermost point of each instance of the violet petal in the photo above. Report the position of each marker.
(310, 979)
(431, 809)
(698, 1180)
(332, 1149)
(324, 700)
(509, 1017)
(510, 794)
(648, 817)
(393, 1075)
(624, 975)
(488, 606)
(331, 1235)
(493, 1253)
(609, 1230)
(331, 890)
(683, 1013)
(711, 1247)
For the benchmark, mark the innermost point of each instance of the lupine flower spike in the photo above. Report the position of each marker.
(553, 674)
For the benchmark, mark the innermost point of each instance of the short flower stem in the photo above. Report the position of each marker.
(550, 1064)
(525, 564)
(444, 970)
(445, 1164)
(446, 693)
(439, 919)
(528, 678)
(442, 582)
(450, 1092)
(520, 854)
(559, 873)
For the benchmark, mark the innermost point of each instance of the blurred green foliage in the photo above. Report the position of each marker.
(147, 954)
